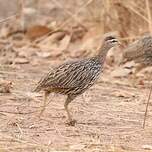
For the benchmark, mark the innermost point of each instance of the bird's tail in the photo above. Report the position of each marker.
(37, 88)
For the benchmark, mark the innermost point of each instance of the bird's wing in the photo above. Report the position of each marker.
(68, 75)
(139, 48)
(134, 50)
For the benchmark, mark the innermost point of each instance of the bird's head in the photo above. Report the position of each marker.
(110, 41)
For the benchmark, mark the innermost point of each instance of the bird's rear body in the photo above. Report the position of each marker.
(140, 51)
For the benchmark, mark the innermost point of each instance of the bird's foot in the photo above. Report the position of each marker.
(71, 122)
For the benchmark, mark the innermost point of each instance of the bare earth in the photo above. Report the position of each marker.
(109, 117)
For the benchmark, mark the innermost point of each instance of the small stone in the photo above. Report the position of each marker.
(147, 147)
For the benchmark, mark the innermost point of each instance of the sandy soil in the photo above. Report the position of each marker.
(109, 117)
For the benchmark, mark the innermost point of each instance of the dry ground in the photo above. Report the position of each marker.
(109, 117)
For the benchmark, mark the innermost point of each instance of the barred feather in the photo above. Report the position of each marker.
(73, 78)
(140, 51)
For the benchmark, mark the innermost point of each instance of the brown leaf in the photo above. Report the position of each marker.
(78, 32)
(37, 31)
(53, 38)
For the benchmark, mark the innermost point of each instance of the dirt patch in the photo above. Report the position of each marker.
(106, 120)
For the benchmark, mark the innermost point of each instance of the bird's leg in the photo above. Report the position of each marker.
(134, 78)
(46, 94)
(138, 69)
(71, 121)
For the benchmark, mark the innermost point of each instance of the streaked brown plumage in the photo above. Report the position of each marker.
(141, 52)
(75, 77)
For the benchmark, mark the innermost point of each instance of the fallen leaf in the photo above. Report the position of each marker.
(53, 38)
(44, 54)
(37, 31)
(78, 32)
(65, 42)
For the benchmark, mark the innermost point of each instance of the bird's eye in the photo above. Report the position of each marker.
(114, 40)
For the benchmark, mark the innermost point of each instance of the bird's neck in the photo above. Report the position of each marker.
(102, 52)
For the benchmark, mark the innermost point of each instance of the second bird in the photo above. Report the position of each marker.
(141, 52)
(75, 77)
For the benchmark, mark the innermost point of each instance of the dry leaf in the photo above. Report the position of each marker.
(37, 31)
(44, 54)
(120, 72)
(65, 42)
(78, 32)
(53, 38)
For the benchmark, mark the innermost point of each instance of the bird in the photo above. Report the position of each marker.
(140, 51)
(73, 78)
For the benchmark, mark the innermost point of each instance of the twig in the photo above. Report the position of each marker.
(24, 113)
(150, 30)
(136, 12)
(147, 106)
(72, 15)
(149, 16)
(9, 18)
(19, 128)
(21, 14)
